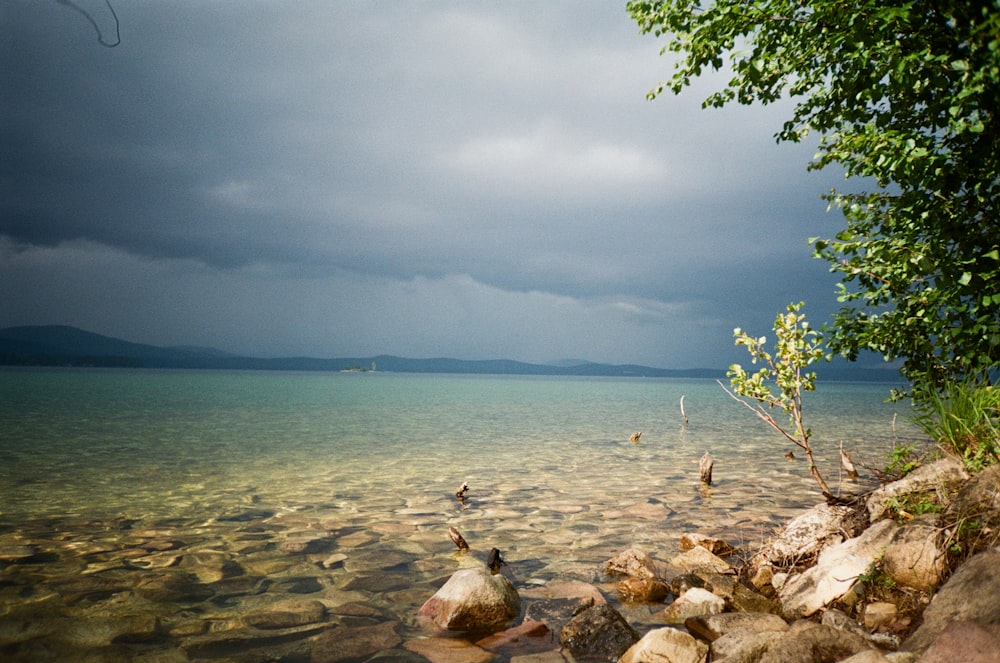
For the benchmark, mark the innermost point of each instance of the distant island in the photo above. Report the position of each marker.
(60, 345)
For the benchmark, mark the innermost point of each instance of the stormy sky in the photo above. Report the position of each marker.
(331, 179)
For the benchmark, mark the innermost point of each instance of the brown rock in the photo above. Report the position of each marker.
(448, 650)
(712, 545)
(286, 614)
(598, 633)
(712, 627)
(914, 557)
(699, 560)
(928, 478)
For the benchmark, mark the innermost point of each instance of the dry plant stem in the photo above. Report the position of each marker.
(802, 442)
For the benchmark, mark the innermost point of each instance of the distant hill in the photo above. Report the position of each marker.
(57, 345)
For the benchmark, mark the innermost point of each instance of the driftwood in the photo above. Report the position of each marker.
(683, 415)
(846, 463)
(790, 455)
(705, 468)
(458, 539)
(634, 437)
(464, 488)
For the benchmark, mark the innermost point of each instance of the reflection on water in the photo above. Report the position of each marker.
(115, 485)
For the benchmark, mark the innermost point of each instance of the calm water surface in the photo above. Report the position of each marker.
(373, 460)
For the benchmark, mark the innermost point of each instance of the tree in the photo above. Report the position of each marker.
(905, 96)
(798, 346)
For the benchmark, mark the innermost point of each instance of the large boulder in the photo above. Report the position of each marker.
(935, 477)
(473, 600)
(836, 570)
(970, 594)
(666, 645)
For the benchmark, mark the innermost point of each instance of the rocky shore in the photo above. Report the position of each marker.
(909, 572)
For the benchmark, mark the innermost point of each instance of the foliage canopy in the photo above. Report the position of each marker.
(904, 96)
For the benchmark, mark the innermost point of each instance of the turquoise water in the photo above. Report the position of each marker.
(554, 481)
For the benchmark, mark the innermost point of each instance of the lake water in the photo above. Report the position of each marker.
(99, 467)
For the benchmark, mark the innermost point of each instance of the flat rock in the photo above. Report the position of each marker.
(448, 650)
(350, 643)
(286, 614)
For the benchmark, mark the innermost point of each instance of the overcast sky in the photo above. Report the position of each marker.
(333, 179)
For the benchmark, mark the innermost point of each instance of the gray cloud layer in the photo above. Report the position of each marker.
(339, 178)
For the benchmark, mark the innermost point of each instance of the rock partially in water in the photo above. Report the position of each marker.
(473, 600)
(633, 563)
(598, 633)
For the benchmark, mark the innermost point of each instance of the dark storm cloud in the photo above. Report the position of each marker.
(496, 165)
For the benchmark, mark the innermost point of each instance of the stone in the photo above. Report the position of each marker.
(970, 594)
(934, 477)
(526, 629)
(473, 599)
(835, 571)
(641, 590)
(808, 641)
(807, 534)
(763, 576)
(448, 650)
(307, 542)
(633, 563)
(347, 643)
(666, 645)
(700, 560)
(211, 565)
(869, 656)
(713, 627)
(598, 633)
(914, 556)
(742, 647)
(980, 496)
(286, 614)
(692, 603)
(964, 641)
(879, 614)
(712, 545)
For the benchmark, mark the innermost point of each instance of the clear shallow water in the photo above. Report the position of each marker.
(376, 457)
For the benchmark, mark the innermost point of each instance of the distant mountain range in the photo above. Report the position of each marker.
(59, 345)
